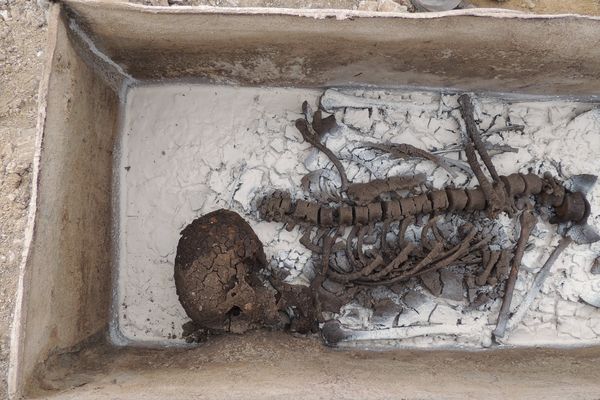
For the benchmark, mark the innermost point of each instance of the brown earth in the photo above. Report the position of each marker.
(584, 7)
(274, 365)
(22, 43)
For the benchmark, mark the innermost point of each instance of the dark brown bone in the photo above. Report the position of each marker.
(328, 242)
(443, 260)
(307, 212)
(307, 241)
(375, 212)
(436, 250)
(301, 210)
(312, 137)
(391, 210)
(403, 227)
(570, 207)
(448, 257)
(552, 192)
(422, 204)
(326, 216)
(573, 208)
(485, 185)
(312, 214)
(364, 193)
(457, 199)
(514, 184)
(527, 221)
(439, 200)
(503, 265)
(472, 143)
(476, 200)
(276, 207)
(425, 243)
(216, 274)
(395, 264)
(533, 184)
(361, 215)
(466, 110)
(403, 150)
(492, 259)
(345, 215)
(408, 206)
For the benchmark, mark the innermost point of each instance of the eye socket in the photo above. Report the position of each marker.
(234, 311)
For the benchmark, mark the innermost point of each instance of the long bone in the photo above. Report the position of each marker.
(540, 278)
(527, 222)
(440, 260)
(334, 333)
(466, 109)
(333, 99)
(485, 185)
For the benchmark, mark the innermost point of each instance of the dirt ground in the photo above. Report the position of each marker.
(22, 42)
(274, 365)
(584, 7)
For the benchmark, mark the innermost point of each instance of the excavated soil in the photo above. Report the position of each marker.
(273, 365)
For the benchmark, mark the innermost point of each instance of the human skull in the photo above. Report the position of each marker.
(216, 275)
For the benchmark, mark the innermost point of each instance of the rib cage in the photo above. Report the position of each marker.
(360, 209)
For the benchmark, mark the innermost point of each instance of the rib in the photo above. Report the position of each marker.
(349, 252)
(405, 149)
(312, 137)
(344, 278)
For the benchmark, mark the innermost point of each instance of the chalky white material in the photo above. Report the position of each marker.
(190, 149)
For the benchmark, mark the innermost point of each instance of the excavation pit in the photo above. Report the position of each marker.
(142, 132)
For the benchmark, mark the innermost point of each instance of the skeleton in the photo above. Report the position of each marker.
(361, 209)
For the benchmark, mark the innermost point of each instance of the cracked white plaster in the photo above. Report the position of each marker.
(191, 149)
